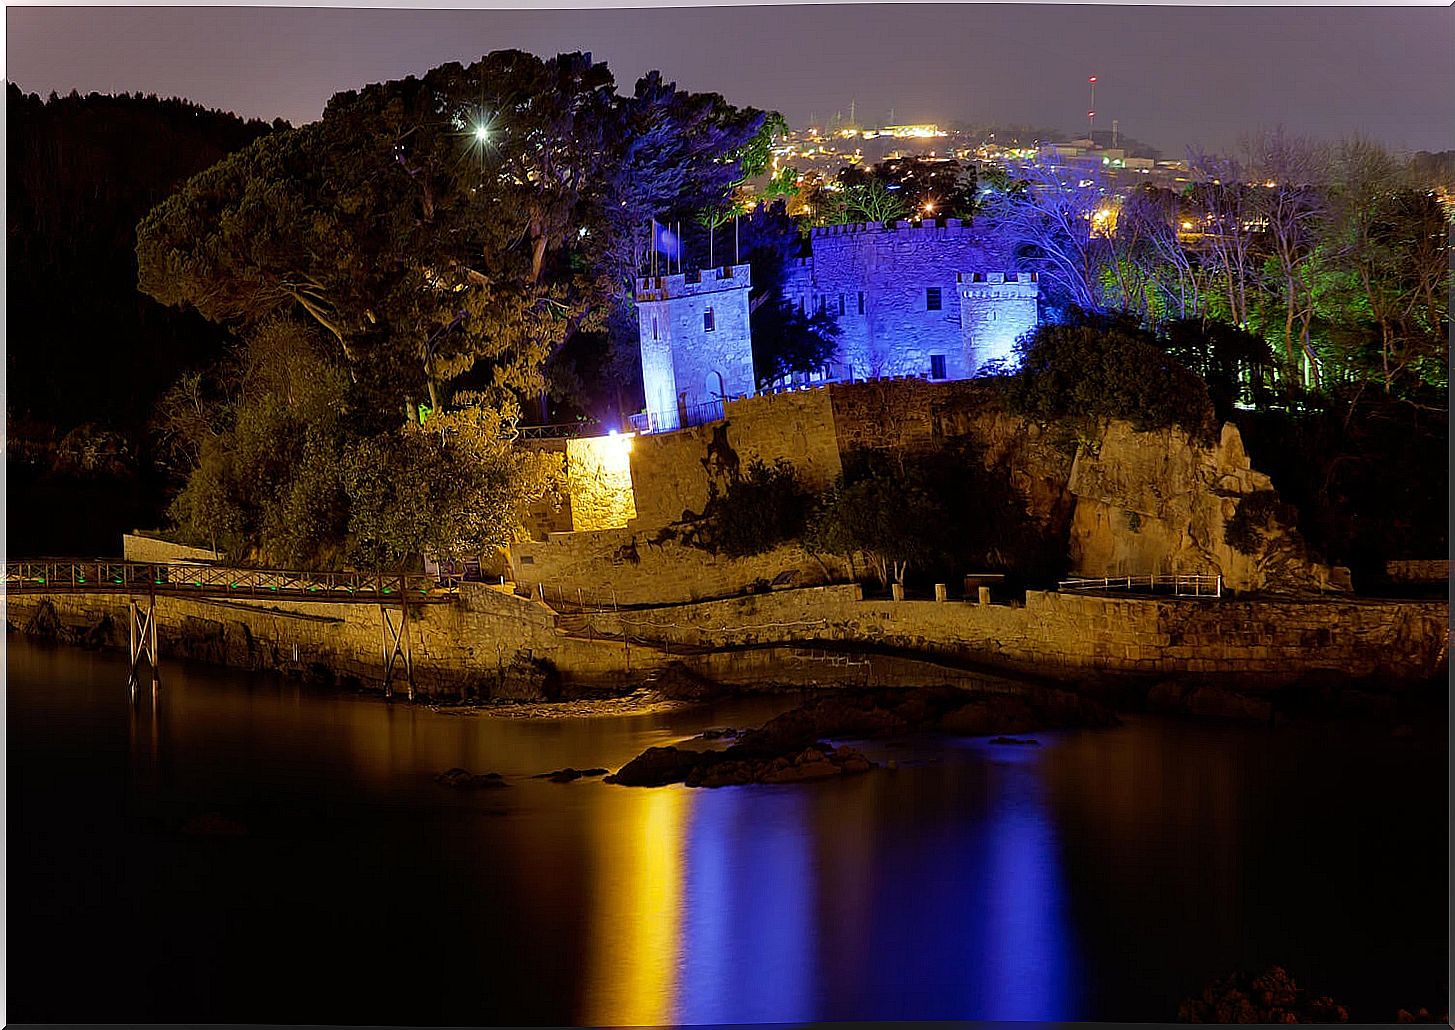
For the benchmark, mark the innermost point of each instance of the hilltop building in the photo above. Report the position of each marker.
(911, 299)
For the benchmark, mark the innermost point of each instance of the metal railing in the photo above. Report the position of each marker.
(209, 580)
(692, 415)
(1178, 584)
(559, 431)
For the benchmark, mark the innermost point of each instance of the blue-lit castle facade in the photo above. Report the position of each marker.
(911, 299)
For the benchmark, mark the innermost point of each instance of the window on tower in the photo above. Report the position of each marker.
(937, 366)
(932, 298)
(861, 302)
(709, 321)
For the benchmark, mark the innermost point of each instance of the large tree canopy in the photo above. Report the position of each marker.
(468, 221)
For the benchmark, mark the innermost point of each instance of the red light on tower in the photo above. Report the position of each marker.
(1092, 79)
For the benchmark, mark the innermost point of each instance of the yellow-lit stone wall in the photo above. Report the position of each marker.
(598, 475)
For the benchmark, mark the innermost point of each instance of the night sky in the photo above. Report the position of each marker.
(1173, 77)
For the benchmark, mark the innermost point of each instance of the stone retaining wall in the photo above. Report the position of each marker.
(492, 645)
(1070, 635)
(495, 644)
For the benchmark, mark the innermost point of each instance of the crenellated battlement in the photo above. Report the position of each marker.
(974, 279)
(694, 282)
(926, 229)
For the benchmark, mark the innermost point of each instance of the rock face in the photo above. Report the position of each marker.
(1161, 502)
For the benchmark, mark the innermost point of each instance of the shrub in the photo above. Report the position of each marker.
(764, 507)
(1108, 371)
(1257, 513)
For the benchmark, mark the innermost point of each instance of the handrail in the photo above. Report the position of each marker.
(1181, 584)
(212, 580)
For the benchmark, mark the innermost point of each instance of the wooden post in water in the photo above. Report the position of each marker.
(143, 634)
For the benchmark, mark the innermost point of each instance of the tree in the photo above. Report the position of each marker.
(285, 476)
(873, 201)
(883, 508)
(1108, 368)
(1221, 193)
(87, 356)
(924, 186)
(1293, 207)
(1389, 237)
(1060, 229)
(1233, 363)
(469, 221)
(785, 340)
(764, 507)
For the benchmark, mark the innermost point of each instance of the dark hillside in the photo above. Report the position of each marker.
(87, 354)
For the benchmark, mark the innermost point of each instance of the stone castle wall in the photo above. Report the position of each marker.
(672, 473)
(696, 342)
(996, 310)
(1131, 503)
(875, 280)
(599, 479)
(631, 567)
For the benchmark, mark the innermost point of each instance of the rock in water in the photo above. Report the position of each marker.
(656, 767)
(464, 779)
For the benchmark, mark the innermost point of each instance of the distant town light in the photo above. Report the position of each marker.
(482, 133)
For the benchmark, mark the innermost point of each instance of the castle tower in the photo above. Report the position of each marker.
(996, 309)
(697, 347)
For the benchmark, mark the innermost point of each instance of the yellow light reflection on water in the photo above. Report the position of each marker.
(635, 937)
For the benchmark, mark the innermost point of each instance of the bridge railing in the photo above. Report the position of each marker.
(102, 576)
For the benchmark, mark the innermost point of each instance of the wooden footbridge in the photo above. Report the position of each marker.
(143, 582)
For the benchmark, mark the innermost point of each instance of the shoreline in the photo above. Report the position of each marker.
(1318, 696)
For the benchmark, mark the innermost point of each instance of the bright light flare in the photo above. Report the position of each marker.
(482, 134)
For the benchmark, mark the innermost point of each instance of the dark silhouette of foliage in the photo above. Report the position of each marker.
(1104, 370)
(1235, 364)
(1268, 997)
(921, 187)
(767, 505)
(468, 221)
(1257, 513)
(84, 347)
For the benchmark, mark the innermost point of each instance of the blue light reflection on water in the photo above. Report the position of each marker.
(1025, 938)
(973, 925)
(749, 940)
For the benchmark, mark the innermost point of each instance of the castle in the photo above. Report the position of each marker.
(908, 299)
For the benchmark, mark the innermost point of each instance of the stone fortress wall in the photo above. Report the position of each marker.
(996, 310)
(1132, 503)
(877, 281)
(696, 342)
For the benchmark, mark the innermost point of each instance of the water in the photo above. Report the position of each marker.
(1102, 876)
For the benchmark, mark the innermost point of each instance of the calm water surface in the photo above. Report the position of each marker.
(1102, 876)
